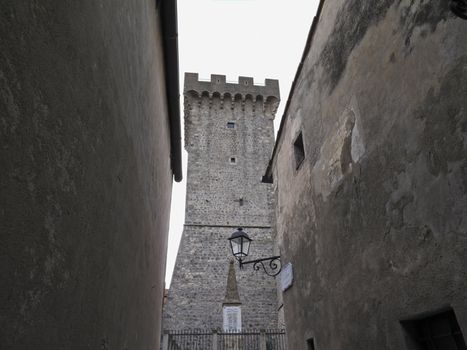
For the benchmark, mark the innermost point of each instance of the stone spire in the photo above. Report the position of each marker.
(231, 293)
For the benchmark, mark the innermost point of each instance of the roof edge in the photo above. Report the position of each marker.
(268, 178)
(168, 12)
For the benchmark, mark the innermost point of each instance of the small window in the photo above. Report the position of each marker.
(310, 344)
(299, 151)
(436, 332)
(233, 160)
(240, 201)
(230, 125)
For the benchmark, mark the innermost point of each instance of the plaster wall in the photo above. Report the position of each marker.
(375, 219)
(85, 177)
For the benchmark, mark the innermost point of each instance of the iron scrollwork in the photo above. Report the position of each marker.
(273, 268)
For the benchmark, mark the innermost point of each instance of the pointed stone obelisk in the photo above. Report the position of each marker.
(231, 307)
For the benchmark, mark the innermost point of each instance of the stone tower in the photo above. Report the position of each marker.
(229, 138)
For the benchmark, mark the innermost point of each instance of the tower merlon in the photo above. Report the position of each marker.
(219, 84)
(230, 94)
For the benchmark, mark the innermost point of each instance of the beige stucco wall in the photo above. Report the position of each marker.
(374, 220)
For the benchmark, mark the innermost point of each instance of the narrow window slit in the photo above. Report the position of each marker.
(299, 151)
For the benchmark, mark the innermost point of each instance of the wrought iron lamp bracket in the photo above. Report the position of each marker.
(273, 268)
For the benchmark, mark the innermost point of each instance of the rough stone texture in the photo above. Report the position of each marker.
(85, 175)
(375, 219)
(222, 196)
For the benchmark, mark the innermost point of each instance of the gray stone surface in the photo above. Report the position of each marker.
(222, 196)
(85, 176)
(375, 219)
(231, 290)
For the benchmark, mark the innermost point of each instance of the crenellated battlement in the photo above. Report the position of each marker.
(219, 84)
(230, 94)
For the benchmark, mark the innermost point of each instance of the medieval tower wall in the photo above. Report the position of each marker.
(229, 138)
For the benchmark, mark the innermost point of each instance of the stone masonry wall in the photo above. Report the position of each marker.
(216, 184)
(222, 196)
(375, 219)
(200, 278)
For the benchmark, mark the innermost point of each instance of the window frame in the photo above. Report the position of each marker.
(423, 332)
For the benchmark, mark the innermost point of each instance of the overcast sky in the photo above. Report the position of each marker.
(254, 38)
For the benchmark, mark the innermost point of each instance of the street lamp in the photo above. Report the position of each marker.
(240, 244)
(240, 247)
(459, 7)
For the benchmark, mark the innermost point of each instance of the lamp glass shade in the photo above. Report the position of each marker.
(240, 243)
(236, 246)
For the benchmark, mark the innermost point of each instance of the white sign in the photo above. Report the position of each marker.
(232, 318)
(286, 277)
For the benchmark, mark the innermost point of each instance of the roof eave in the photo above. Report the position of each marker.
(168, 11)
(268, 176)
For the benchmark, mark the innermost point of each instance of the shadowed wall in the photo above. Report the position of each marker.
(85, 174)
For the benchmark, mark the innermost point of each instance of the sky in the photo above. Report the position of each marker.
(253, 38)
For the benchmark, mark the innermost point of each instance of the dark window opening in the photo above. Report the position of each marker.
(310, 344)
(230, 125)
(436, 332)
(233, 160)
(299, 151)
(240, 201)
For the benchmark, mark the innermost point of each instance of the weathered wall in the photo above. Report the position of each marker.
(85, 175)
(375, 220)
(222, 196)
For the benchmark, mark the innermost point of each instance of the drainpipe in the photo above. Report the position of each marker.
(168, 12)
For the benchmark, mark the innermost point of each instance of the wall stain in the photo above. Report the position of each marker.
(353, 21)
(445, 119)
(426, 13)
(356, 17)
